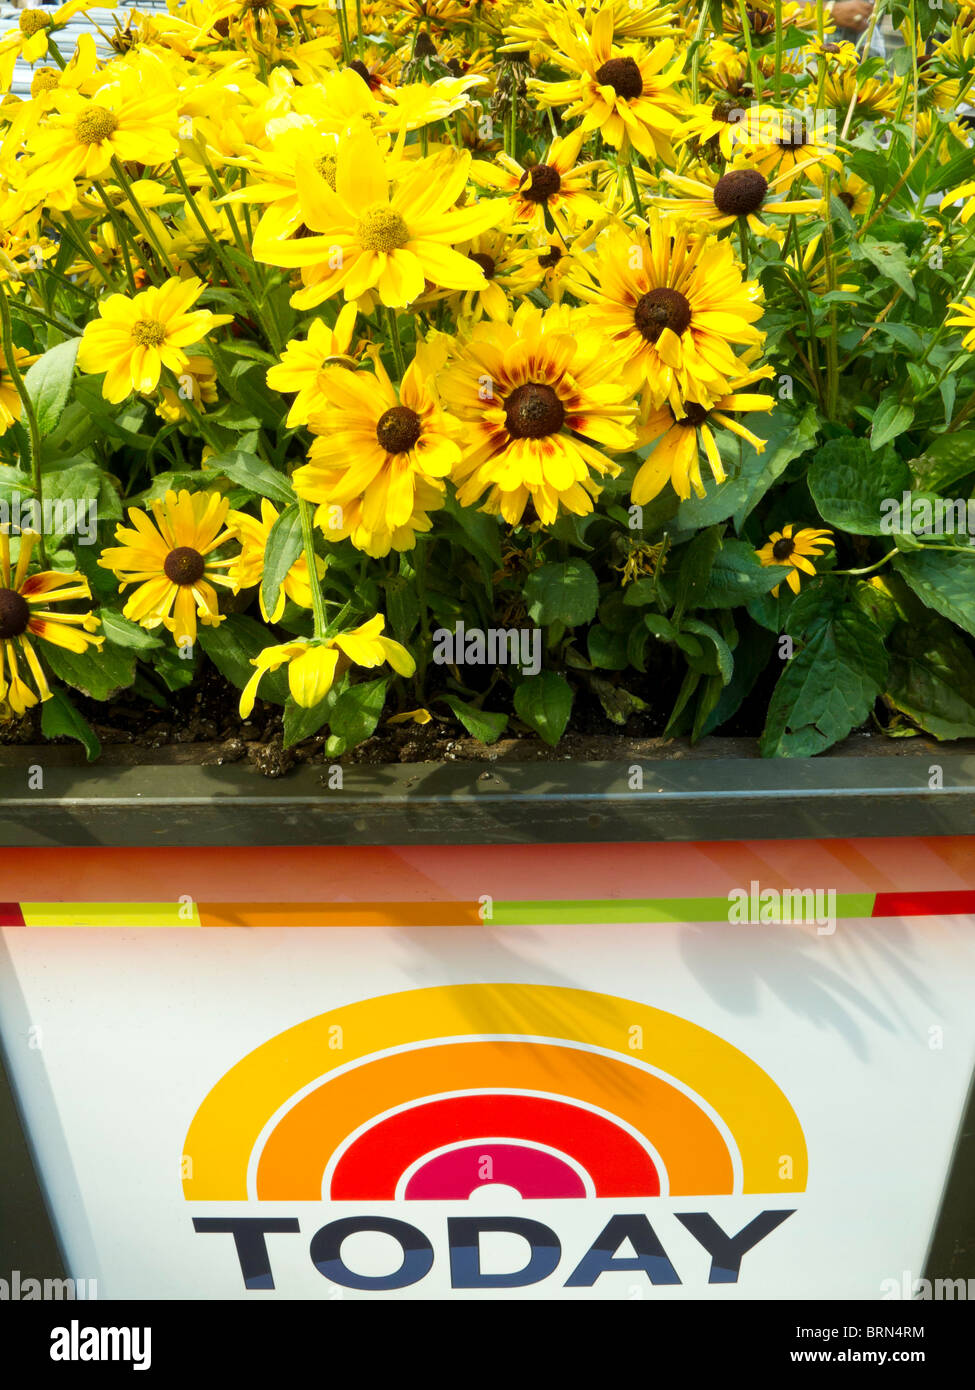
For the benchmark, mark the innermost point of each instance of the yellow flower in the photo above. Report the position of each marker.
(543, 397)
(719, 201)
(314, 664)
(168, 557)
(420, 103)
(676, 455)
(11, 405)
(785, 548)
(20, 620)
(366, 236)
(302, 366)
(197, 384)
(554, 187)
(133, 116)
(133, 339)
(30, 39)
(676, 306)
(965, 319)
(624, 93)
(786, 143)
(375, 447)
(248, 568)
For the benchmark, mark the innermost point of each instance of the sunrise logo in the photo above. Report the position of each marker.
(556, 1092)
(428, 1095)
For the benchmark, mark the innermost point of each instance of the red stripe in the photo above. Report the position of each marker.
(931, 904)
(11, 915)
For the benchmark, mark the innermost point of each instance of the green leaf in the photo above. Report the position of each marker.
(48, 383)
(567, 593)
(60, 719)
(282, 550)
(176, 667)
(544, 703)
(255, 475)
(932, 677)
(660, 626)
(233, 644)
(618, 703)
(96, 673)
(356, 714)
(607, 649)
(14, 483)
(696, 564)
(830, 686)
(301, 723)
(947, 458)
(850, 484)
(124, 633)
(739, 576)
(402, 606)
(752, 656)
(944, 580)
(891, 418)
(479, 723)
(889, 257)
(722, 659)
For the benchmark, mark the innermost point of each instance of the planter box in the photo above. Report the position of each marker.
(486, 1023)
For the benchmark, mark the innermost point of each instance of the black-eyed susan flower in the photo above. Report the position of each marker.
(676, 306)
(134, 338)
(541, 20)
(626, 92)
(303, 363)
(556, 186)
(375, 444)
(29, 41)
(965, 318)
(796, 549)
(314, 664)
(786, 143)
(719, 201)
(676, 456)
(25, 614)
(197, 385)
(247, 569)
(371, 234)
(509, 278)
(542, 399)
(168, 555)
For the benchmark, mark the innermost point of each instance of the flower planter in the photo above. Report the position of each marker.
(532, 958)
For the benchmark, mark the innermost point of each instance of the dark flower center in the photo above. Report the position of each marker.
(796, 140)
(543, 182)
(424, 47)
(485, 261)
(660, 309)
(695, 415)
(14, 614)
(184, 565)
(724, 110)
(783, 548)
(533, 411)
(398, 429)
(551, 257)
(357, 65)
(847, 199)
(740, 192)
(623, 75)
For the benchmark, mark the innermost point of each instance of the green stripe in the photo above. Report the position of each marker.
(585, 910)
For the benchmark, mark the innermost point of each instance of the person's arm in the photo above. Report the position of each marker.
(848, 14)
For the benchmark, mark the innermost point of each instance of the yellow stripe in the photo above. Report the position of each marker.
(111, 914)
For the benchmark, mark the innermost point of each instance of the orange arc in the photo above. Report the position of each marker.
(294, 1158)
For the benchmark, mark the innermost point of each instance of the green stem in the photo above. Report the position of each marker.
(81, 241)
(778, 50)
(394, 338)
(359, 37)
(307, 514)
(634, 186)
(142, 216)
(34, 454)
(343, 31)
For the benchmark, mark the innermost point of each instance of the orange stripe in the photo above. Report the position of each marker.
(297, 1151)
(353, 914)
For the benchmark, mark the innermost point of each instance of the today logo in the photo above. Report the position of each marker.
(419, 1100)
